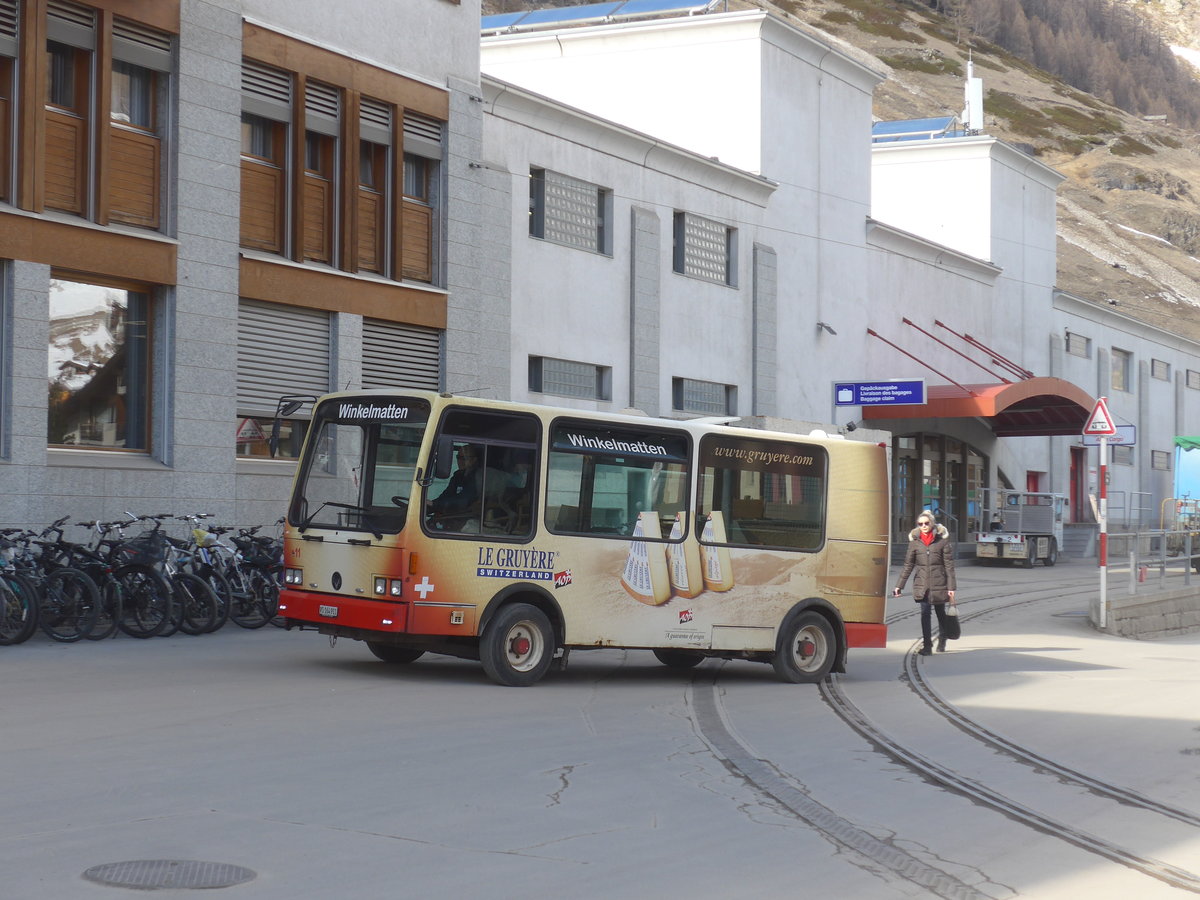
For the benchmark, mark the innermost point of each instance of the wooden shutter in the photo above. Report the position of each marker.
(281, 350)
(417, 247)
(134, 177)
(66, 161)
(400, 356)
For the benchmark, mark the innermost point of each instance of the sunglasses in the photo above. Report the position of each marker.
(925, 523)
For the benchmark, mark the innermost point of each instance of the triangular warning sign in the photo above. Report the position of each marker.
(1100, 422)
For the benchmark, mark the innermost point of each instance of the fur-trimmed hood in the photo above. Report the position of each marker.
(939, 531)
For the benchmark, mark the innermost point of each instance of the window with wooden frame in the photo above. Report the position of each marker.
(322, 122)
(8, 58)
(422, 160)
(266, 114)
(141, 66)
(374, 185)
(70, 47)
(330, 145)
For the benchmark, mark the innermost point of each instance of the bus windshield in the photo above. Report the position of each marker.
(359, 471)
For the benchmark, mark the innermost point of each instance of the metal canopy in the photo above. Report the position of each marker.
(1035, 406)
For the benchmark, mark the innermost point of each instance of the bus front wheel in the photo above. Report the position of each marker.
(806, 648)
(517, 646)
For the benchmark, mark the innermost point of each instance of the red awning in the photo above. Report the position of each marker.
(1035, 406)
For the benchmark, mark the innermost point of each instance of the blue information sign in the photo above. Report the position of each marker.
(879, 393)
(1126, 434)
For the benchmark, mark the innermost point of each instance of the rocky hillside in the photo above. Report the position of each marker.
(1129, 212)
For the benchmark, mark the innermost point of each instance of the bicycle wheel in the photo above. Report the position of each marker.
(196, 602)
(18, 610)
(248, 610)
(224, 593)
(146, 610)
(108, 616)
(70, 602)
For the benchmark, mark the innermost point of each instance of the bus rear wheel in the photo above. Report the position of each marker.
(805, 651)
(391, 653)
(679, 659)
(1052, 556)
(517, 646)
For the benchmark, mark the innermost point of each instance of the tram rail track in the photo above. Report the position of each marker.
(712, 722)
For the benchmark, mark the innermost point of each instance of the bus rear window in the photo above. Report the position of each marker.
(601, 481)
(761, 493)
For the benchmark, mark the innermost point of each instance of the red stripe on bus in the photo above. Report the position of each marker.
(862, 634)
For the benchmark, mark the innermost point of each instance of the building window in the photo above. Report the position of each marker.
(1122, 368)
(322, 118)
(1193, 379)
(703, 397)
(1122, 454)
(99, 370)
(419, 226)
(1160, 369)
(705, 249)
(565, 210)
(128, 163)
(566, 378)
(355, 210)
(264, 374)
(1078, 345)
(1161, 460)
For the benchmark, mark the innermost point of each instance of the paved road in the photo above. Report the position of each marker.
(327, 774)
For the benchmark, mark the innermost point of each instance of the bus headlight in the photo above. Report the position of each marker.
(293, 576)
(397, 587)
(380, 585)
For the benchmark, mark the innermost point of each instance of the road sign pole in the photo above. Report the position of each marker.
(1103, 531)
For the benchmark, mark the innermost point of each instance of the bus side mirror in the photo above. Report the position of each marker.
(443, 455)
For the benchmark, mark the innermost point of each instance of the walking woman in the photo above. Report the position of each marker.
(931, 555)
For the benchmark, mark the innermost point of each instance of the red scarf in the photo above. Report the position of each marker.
(928, 537)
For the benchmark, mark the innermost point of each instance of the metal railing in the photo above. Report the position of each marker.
(1153, 560)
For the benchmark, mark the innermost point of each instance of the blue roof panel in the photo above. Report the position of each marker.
(656, 7)
(501, 21)
(570, 13)
(915, 129)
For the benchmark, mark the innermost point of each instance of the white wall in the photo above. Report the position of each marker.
(420, 38)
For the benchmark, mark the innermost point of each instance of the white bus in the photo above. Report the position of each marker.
(515, 534)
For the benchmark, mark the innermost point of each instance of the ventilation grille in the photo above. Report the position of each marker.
(321, 100)
(8, 22)
(422, 128)
(141, 35)
(264, 83)
(373, 112)
(72, 13)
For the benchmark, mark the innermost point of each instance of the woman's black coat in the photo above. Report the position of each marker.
(933, 565)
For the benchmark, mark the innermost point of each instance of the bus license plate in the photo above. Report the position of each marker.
(329, 612)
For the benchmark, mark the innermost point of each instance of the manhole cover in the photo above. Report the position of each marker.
(153, 874)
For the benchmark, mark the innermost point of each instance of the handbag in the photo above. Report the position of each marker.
(952, 627)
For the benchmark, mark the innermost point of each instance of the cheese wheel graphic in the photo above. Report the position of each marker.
(645, 577)
(683, 562)
(718, 571)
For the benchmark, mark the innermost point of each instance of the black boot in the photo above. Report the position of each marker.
(925, 650)
(941, 645)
